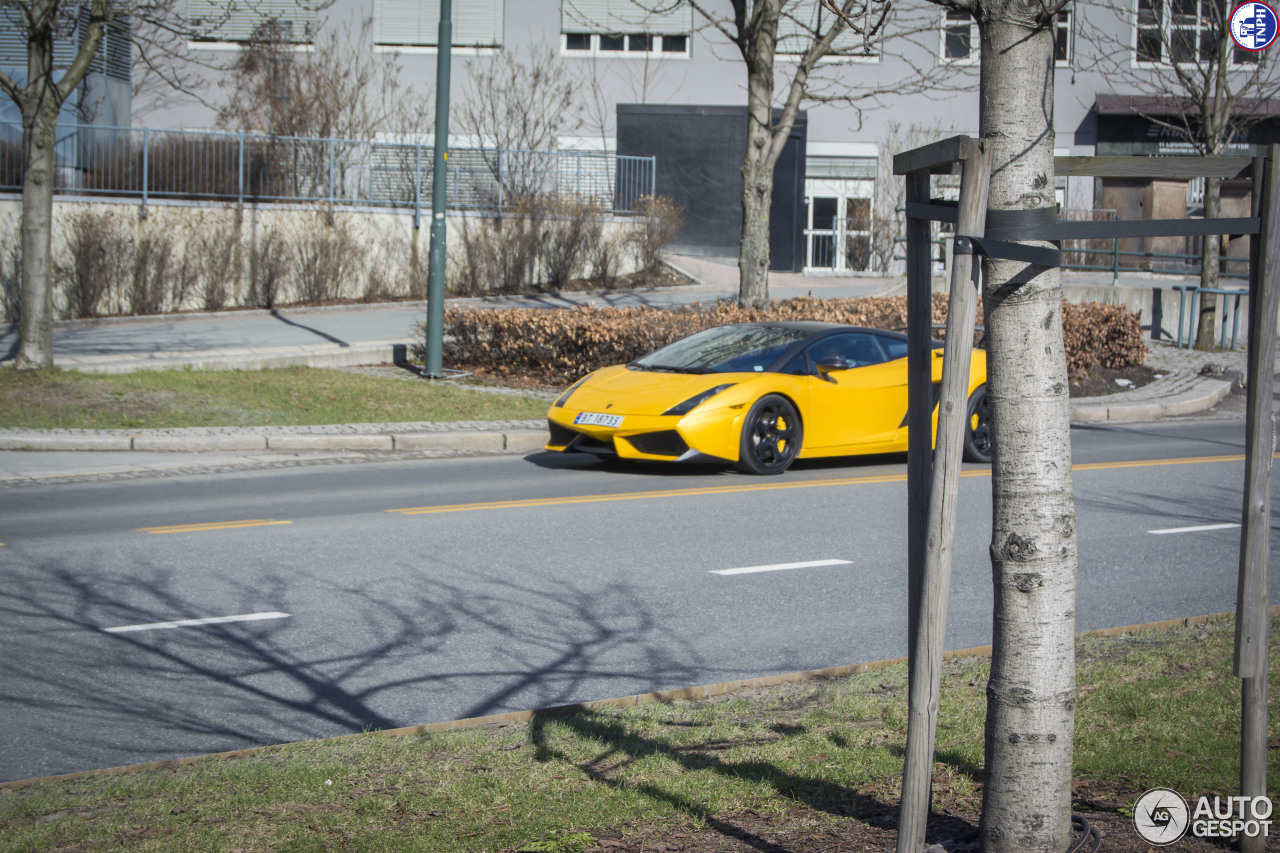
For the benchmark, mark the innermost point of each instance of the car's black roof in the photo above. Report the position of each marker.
(817, 326)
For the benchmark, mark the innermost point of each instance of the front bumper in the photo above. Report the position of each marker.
(710, 436)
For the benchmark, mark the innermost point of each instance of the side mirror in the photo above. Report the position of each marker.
(827, 365)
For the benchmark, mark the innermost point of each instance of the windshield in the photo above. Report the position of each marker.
(726, 349)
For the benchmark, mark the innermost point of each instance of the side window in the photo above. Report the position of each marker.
(895, 348)
(858, 350)
(798, 366)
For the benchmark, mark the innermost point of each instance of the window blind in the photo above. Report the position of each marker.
(624, 16)
(476, 23)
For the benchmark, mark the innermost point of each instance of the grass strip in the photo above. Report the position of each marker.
(290, 396)
(1156, 708)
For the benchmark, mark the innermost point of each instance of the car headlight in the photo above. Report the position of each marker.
(693, 402)
(564, 398)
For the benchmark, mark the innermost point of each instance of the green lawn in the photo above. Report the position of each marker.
(1155, 709)
(291, 396)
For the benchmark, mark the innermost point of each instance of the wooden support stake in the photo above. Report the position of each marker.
(1260, 438)
(931, 617)
(919, 395)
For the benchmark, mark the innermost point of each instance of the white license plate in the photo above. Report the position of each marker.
(593, 419)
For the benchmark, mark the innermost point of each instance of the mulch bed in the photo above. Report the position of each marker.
(806, 830)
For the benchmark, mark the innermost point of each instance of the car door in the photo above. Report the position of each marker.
(863, 404)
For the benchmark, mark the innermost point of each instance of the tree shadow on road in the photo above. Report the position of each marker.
(351, 658)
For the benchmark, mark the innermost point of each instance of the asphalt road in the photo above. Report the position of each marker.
(396, 593)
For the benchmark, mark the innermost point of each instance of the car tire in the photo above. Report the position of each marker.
(771, 436)
(977, 432)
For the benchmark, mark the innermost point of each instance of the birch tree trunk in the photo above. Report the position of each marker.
(1031, 695)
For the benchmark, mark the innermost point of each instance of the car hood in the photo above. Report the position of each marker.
(619, 391)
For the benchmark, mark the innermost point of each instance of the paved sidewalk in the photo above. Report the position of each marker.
(357, 335)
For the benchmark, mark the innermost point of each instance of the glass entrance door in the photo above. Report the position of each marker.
(838, 237)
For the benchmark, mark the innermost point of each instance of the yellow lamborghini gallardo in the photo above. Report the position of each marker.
(759, 396)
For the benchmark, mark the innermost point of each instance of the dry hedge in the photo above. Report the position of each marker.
(555, 347)
(1098, 335)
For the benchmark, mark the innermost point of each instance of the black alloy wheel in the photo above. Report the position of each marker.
(771, 436)
(977, 432)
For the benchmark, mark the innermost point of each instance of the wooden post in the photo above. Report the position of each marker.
(1251, 591)
(931, 617)
(919, 394)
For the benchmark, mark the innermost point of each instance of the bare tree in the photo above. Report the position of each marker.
(155, 31)
(888, 221)
(650, 80)
(519, 103)
(1191, 79)
(341, 89)
(810, 32)
(40, 98)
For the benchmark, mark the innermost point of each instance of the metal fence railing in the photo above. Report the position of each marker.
(146, 163)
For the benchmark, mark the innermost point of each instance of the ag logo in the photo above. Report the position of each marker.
(1161, 816)
(1254, 26)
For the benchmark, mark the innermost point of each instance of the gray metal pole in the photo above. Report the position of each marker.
(435, 264)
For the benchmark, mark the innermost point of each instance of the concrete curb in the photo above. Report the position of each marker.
(704, 691)
(1122, 408)
(461, 441)
(1203, 394)
(319, 355)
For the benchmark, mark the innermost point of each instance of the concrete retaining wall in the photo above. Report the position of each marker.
(208, 256)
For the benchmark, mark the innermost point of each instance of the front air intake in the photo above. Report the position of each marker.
(665, 443)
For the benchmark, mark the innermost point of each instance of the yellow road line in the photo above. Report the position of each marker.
(1150, 463)
(213, 525)
(629, 496)
(769, 487)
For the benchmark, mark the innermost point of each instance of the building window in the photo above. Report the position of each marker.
(804, 21)
(289, 21)
(622, 27)
(590, 44)
(1063, 39)
(1182, 32)
(959, 37)
(416, 23)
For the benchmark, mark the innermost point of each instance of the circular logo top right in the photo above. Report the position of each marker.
(1254, 26)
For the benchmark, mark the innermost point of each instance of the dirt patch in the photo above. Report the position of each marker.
(1101, 382)
(806, 830)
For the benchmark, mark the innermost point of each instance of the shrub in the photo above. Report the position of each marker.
(99, 257)
(661, 219)
(152, 258)
(10, 275)
(1098, 335)
(324, 257)
(558, 346)
(268, 268)
(218, 253)
(571, 229)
